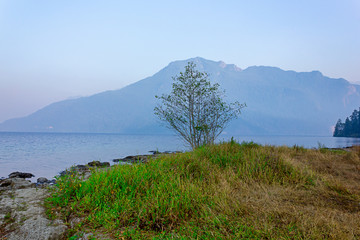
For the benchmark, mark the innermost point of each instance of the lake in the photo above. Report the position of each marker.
(46, 154)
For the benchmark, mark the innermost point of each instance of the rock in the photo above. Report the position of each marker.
(81, 168)
(105, 164)
(143, 158)
(42, 180)
(16, 183)
(5, 210)
(170, 152)
(28, 216)
(134, 159)
(5, 182)
(155, 152)
(99, 164)
(77, 168)
(21, 175)
(52, 182)
(131, 159)
(94, 163)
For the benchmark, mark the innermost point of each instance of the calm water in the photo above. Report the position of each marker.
(46, 154)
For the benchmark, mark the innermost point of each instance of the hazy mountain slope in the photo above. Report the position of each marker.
(279, 102)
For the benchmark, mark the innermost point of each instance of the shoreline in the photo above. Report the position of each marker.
(46, 156)
(21, 202)
(22, 214)
(135, 159)
(131, 159)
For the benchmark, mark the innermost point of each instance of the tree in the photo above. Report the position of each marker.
(339, 128)
(347, 127)
(195, 109)
(351, 127)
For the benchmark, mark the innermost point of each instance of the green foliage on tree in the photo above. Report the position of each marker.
(351, 127)
(195, 108)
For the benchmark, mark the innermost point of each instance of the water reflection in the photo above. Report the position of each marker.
(346, 142)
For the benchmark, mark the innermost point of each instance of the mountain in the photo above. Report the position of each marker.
(278, 102)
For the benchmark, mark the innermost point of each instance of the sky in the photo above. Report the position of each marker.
(56, 50)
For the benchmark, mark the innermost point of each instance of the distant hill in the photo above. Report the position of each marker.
(279, 102)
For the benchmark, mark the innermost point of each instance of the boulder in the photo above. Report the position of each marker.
(52, 182)
(77, 168)
(42, 180)
(16, 183)
(21, 175)
(99, 164)
(81, 168)
(133, 159)
(105, 164)
(5, 182)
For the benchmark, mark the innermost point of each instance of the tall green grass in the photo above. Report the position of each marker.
(182, 196)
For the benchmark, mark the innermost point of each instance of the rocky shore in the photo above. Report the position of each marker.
(22, 211)
(22, 215)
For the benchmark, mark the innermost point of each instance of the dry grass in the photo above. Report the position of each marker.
(329, 210)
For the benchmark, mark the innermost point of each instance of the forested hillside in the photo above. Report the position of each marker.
(351, 126)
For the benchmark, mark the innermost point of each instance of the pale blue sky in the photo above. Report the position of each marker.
(54, 50)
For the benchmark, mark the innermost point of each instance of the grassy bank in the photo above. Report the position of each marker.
(226, 191)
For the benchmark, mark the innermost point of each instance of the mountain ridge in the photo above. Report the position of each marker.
(279, 102)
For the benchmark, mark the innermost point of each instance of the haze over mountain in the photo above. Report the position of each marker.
(278, 103)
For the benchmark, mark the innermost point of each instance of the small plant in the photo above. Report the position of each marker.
(23, 219)
(298, 148)
(75, 237)
(322, 148)
(8, 218)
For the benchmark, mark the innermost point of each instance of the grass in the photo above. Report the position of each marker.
(225, 191)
